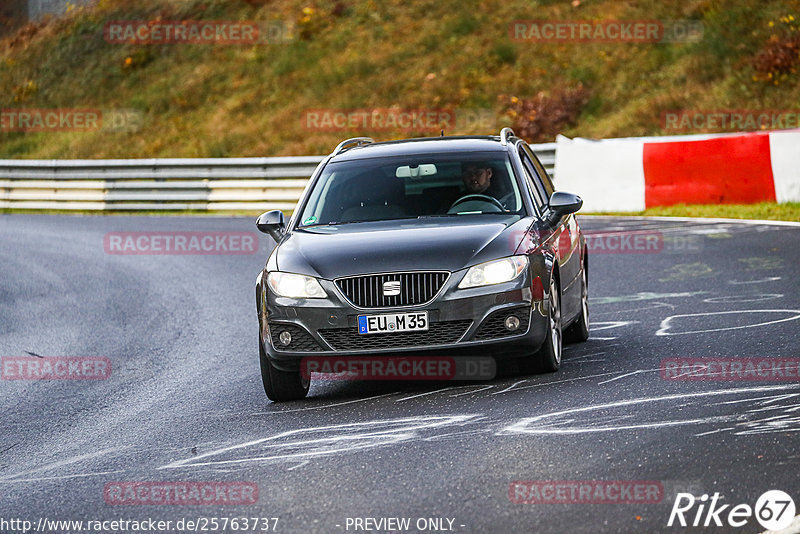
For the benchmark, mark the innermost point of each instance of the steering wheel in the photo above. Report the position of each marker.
(477, 196)
(505, 199)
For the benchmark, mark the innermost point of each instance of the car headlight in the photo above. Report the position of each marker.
(494, 272)
(295, 286)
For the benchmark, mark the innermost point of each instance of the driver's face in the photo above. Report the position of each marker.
(476, 179)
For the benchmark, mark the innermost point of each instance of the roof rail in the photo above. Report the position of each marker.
(505, 133)
(351, 143)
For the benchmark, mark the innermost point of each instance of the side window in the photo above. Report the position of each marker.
(540, 170)
(533, 181)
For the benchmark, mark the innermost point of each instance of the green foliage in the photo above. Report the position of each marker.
(248, 100)
(505, 53)
(463, 24)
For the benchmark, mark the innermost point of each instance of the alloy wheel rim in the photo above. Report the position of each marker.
(555, 321)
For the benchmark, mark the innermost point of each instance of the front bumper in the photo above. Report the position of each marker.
(463, 322)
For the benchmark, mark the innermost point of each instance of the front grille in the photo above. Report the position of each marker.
(366, 291)
(438, 334)
(301, 339)
(494, 327)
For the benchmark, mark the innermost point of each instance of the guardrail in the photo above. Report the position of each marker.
(219, 184)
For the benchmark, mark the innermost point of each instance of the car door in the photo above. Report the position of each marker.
(567, 235)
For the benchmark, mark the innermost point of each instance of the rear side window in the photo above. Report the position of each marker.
(533, 179)
(540, 170)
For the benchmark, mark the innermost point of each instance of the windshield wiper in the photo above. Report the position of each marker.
(332, 223)
(340, 223)
(462, 213)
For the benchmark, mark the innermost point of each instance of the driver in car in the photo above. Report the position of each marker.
(477, 177)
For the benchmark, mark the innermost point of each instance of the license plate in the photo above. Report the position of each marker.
(392, 322)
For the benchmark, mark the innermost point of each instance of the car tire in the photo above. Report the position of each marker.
(579, 330)
(280, 385)
(548, 358)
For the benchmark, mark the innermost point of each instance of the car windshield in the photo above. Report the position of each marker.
(411, 187)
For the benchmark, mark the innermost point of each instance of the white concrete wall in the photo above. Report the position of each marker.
(607, 174)
(784, 150)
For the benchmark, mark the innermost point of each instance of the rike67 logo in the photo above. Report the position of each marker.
(774, 510)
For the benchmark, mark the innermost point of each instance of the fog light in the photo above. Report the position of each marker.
(512, 323)
(285, 337)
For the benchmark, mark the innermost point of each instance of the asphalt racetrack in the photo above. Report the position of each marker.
(183, 401)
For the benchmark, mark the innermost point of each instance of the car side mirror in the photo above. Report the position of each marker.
(272, 223)
(561, 204)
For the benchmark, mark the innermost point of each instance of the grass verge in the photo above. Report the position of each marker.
(772, 211)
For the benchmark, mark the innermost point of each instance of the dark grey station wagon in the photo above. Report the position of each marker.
(446, 245)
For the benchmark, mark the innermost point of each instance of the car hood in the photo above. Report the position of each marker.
(385, 246)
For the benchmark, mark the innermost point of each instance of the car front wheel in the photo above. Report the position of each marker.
(281, 385)
(549, 356)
